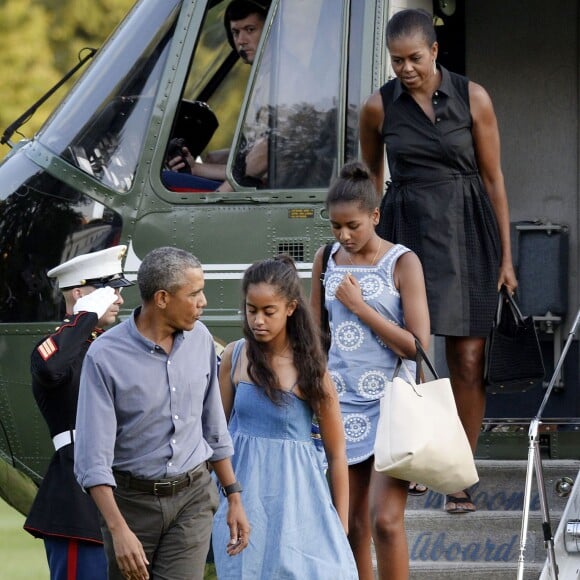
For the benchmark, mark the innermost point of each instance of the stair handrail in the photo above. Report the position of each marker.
(535, 464)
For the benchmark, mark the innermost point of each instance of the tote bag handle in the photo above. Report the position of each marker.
(420, 356)
(506, 296)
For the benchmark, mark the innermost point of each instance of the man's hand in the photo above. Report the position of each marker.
(238, 524)
(98, 302)
(182, 161)
(236, 516)
(130, 555)
(129, 552)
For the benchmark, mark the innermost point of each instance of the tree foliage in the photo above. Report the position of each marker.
(75, 24)
(39, 41)
(26, 66)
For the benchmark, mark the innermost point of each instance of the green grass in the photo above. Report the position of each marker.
(22, 556)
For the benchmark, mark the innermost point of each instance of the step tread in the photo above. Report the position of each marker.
(524, 462)
(484, 571)
(419, 565)
(502, 483)
(473, 539)
(490, 501)
(492, 516)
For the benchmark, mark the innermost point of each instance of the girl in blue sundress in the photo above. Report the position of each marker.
(272, 383)
(377, 305)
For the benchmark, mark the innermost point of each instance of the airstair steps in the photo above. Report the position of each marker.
(482, 538)
(501, 486)
(485, 544)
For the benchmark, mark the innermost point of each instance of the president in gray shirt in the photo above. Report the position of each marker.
(149, 419)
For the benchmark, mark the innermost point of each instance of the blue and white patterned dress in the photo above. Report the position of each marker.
(360, 364)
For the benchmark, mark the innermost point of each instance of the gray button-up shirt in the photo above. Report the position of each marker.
(147, 412)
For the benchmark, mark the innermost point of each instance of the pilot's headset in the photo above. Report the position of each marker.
(240, 9)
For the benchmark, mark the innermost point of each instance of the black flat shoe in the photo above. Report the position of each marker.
(459, 505)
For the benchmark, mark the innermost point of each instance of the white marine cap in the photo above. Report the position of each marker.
(99, 269)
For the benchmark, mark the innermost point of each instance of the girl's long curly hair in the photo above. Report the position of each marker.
(280, 273)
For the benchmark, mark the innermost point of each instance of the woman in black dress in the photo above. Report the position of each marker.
(446, 201)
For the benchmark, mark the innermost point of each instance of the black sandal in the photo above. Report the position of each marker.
(460, 504)
(417, 489)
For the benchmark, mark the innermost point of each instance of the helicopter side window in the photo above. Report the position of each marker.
(289, 136)
(101, 127)
(44, 222)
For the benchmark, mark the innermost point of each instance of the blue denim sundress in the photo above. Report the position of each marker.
(296, 532)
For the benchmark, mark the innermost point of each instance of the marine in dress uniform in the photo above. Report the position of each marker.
(63, 515)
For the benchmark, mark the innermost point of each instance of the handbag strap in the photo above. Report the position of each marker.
(412, 381)
(506, 296)
(420, 356)
(323, 312)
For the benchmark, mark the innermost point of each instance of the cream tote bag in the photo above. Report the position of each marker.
(419, 434)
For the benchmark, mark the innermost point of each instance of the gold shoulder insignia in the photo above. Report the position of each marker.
(47, 348)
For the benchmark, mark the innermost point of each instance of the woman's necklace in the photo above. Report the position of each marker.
(374, 259)
(282, 354)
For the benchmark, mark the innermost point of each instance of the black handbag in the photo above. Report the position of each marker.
(513, 358)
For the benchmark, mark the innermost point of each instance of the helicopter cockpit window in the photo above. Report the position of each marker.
(289, 137)
(43, 222)
(101, 127)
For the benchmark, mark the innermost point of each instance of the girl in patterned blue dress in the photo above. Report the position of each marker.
(272, 383)
(377, 305)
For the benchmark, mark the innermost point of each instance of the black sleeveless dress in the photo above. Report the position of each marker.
(437, 206)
